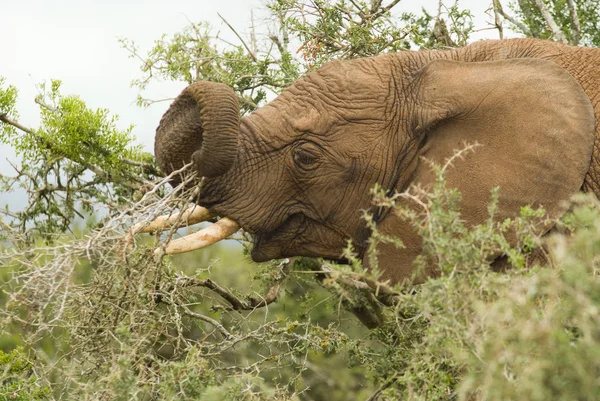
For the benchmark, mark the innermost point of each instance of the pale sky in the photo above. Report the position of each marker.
(76, 41)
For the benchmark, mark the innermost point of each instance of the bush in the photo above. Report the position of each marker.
(134, 328)
(18, 380)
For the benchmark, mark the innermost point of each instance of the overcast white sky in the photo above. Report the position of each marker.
(76, 41)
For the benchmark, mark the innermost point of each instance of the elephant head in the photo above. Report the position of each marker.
(297, 173)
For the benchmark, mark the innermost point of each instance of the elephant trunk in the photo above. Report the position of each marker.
(201, 126)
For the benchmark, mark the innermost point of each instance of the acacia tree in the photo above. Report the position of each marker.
(101, 317)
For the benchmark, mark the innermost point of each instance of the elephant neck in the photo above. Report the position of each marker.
(402, 68)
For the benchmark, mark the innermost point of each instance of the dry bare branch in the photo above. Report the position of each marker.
(497, 20)
(251, 302)
(209, 320)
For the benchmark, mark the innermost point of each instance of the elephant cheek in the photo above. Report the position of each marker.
(263, 250)
(259, 256)
(280, 243)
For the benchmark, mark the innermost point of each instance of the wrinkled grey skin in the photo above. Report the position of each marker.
(303, 166)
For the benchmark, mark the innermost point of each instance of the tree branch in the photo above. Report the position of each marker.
(239, 37)
(209, 320)
(381, 389)
(48, 145)
(497, 20)
(385, 9)
(39, 101)
(375, 4)
(248, 102)
(558, 34)
(498, 9)
(6, 120)
(250, 303)
(149, 168)
(5, 226)
(576, 25)
(280, 47)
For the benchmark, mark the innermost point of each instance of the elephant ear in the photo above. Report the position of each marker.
(535, 126)
(534, 122)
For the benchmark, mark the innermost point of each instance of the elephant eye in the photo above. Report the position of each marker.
(305, 159)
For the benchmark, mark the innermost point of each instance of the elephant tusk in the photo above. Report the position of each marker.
(203, 238)
(190, 216)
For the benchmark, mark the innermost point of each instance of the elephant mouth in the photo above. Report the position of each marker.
(298, 236)
(262, 254)
(278, 242)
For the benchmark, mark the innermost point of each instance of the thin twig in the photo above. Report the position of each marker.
(210, 320)
(381, 389)
(239, 37)
(250, 303)
(39, 101)
(385, 9)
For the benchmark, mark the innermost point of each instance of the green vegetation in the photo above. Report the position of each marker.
(18, 381)
(90, 313)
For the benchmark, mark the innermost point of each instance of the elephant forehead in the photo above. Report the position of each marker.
(344, 84)
(319, 111)
(328, 102)
(311, 119)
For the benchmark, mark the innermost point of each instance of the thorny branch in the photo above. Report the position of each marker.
(237, 304)
(377, 293)
(115, 239)
(130, 287)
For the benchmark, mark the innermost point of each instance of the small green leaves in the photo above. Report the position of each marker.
(580, 27)
(18, 380)
(77, 156)
(192, 55)
(8, 100)
(81, 134)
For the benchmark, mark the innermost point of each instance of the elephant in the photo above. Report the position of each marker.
(297, 173)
